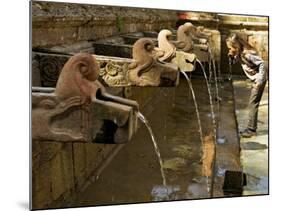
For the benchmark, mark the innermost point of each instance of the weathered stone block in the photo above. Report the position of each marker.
(49, 36)
(41, 186)
(61, 172)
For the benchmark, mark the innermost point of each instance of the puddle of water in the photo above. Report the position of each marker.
(160, 193)
(197, 190)
(220, 172)
(253, 146)
(175, 164)
(256, 185)
(182, 150)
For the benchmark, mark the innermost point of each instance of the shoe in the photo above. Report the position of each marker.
(248, 133)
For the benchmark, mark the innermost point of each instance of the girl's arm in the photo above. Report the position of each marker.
(258, 61)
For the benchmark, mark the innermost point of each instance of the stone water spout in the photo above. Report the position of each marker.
(191, 38)
(145, 69)
(79, 109)
(168, 52)
(201, 32)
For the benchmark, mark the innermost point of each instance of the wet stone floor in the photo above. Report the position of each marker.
(254, 151)
(134, 173)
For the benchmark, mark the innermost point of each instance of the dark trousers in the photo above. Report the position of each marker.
(254, 102)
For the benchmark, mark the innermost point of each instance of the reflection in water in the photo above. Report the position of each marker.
(156, 148)
(197, 190)
(160, 193)
(175, 164)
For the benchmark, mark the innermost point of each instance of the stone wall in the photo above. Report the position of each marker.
(60, 23)
(59, 170)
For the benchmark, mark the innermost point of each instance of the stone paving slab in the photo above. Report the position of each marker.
(254, 151)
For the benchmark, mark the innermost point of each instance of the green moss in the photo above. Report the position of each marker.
(119, 23)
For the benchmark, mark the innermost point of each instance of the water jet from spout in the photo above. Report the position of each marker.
(195, 104)
(199, 122)
(213, 65)
(156, 148)
(229, 69)
(210, 97)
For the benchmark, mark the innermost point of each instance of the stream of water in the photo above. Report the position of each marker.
(230, 70)
(156, 148)
(210, 97)
(196, 106)
(213, 65)
(212, 114)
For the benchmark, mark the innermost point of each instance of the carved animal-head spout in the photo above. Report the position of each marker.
(184, 37)
(185, 30)
(143, 56)
(201, 32)
(165, 45)
(77, 77)
(142, 50)
(79, 109)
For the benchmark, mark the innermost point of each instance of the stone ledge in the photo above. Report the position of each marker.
(61, 23)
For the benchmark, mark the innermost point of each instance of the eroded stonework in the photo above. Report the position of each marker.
(79, 107)
(147, 70)
(168, 53)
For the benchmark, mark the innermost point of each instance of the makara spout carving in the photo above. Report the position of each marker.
(79, 109)
(168, 52)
